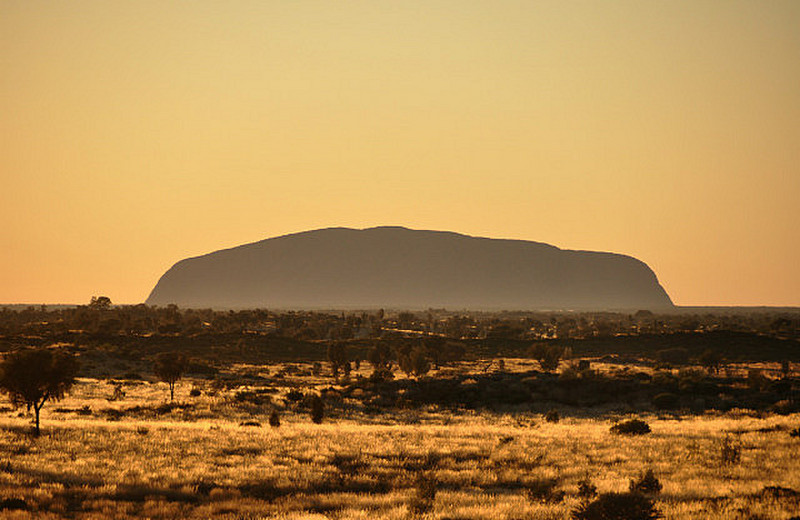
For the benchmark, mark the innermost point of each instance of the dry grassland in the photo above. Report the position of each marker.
(199, 461)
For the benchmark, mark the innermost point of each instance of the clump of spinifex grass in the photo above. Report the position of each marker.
(730, 452)
(424, 495)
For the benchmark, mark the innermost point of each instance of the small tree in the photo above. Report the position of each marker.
(380, 356)
(711, 360)
(414, 362)
(34, 376)
(547, 356)
(405, 320)
(170, 367)
(338, 358)
(380, 359)
(100, 303)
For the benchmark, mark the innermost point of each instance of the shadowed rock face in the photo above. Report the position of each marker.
(395, 267)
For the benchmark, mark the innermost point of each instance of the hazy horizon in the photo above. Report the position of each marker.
(136, 135)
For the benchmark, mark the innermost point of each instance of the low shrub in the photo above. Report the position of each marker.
(618, 506)
(349, 464)
(317, 409)
(784, 407)
(381, 374)
(586, 489)
(631, 427)
(295, 396)
(204, 488)
(552, 416)
(756, 380)
(689, 377)
(425, 488)
(569, 373)
(274, 419)
(13, 504)
(112, 414)
(255, 397)
(543, 490)
(647, 484)
(730, 452)
(165, 408)
(779, 493)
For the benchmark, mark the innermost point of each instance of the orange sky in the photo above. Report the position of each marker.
(134, 134)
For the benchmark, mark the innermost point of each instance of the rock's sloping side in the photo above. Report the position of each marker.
(394, 267)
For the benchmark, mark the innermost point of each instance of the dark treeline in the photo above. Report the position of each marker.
(692, 356)
(261, 334)
(100, 317)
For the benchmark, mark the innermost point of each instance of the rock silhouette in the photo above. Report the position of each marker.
(395, 267)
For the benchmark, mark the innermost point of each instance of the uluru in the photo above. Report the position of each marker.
(396, 267)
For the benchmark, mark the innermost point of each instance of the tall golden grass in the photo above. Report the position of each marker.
(199, 462)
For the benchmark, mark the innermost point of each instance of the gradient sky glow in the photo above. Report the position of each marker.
(135, 134)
